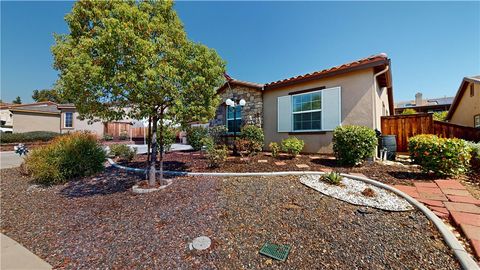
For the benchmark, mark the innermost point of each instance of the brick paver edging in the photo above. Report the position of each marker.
(462, 255)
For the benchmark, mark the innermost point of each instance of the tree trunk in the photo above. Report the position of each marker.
(153, 157)
(161, 146)
(149, 138)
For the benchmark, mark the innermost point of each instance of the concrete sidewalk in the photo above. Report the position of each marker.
(10, 160)
(15, 256)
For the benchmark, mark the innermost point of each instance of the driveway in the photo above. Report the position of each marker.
(10, 160)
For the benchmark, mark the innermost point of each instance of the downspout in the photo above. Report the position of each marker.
(374, 111)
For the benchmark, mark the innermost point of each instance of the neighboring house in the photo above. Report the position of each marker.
(465, 109)
(61, 118)
(421, 105)
(6, 115)
(310, 106)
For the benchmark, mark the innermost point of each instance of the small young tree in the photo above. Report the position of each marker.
(135, 55)
(17, 100)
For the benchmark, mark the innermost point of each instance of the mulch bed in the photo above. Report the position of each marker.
(196, 162)
(97, 222)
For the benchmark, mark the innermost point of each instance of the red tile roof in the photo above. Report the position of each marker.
(232, 81)
(370, 61)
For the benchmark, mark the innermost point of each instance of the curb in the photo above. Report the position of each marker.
(460, 253)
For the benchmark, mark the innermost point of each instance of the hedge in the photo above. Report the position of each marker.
(24, 137)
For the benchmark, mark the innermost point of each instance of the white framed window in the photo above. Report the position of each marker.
(68, 123)
(307, 111)
(476, 121)
(234, 119)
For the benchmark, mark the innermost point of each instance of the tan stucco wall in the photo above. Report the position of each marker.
(25, 122)
(81, 125)
(356, 92)
(467, 108)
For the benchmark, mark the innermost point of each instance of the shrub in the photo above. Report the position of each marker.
(169, 136)
(475, 152)
(275, 148)
(217, 133)
(195, 136)
(75, 155)
(122, 151)
(216, 156)
(444, 157)
(333, 178)
(28, 136)
(107, 137)
(353, 144)
(440, 116)
(292, 145)
(409, 111)
(123, 136)
(247, 147)
(253, 133)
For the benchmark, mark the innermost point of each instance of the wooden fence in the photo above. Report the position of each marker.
(116, 129)
(406, 126)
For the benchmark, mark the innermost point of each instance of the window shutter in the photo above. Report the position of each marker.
(331, 108)
(284, 114)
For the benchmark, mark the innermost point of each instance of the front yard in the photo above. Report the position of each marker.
(97, 222)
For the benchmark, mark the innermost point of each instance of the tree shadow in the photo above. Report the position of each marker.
(326, 162)
(405, 175)
(110, 181)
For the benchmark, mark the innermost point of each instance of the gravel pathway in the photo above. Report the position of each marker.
(351, 192)
(98, 223)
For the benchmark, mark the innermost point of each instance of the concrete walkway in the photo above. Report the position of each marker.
(449, 199)
(10, 160)
(15, 256)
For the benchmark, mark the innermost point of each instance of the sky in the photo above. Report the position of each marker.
(432, 45)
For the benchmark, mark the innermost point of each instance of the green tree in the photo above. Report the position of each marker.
(17, 100)
(54, 94)
(136, 55)
(440, 116)
(409, 111)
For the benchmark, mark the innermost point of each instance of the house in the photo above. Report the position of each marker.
(6, 116)
(310, 106)
(421, 105)
(465, 109)
(49, 116)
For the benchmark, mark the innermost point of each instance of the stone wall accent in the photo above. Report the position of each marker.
(252, 112)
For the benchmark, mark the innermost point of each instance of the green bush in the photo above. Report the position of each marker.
(195, 136)
(292, 146)
(169, 136)
(28, 136)
(444, 157)
(253, 133)
(247, 147)
(440, 116)
(353, 144)
(217, 156)
(122, 151)
(475, 152)
(409, 111)
(332, 178)
(107, 137)
(275, 148)
(218, 134)
(66, 157)
(123, 136)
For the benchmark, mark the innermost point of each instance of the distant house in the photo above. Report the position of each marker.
(6, 116)
(421, 105)
(465, 109)
(310, 106)
(49, 116)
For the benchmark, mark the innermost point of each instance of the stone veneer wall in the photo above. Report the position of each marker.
(252, 112)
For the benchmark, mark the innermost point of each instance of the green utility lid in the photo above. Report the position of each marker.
(277, 252)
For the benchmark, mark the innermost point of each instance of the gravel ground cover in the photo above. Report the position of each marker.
(390, 174)
(350, 191)
(97, 222)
